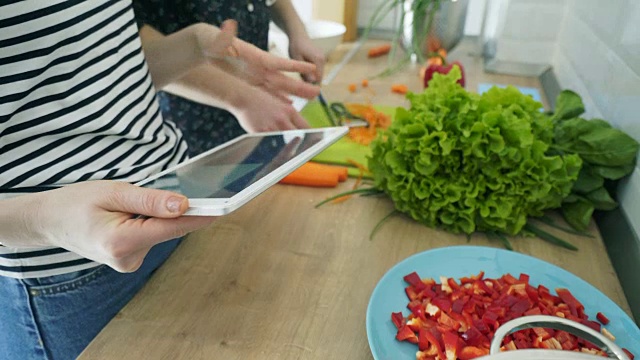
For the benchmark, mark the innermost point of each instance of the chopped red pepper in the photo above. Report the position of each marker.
(472, 352)
(457, 319)
(406, 334)
(430, 335)
(602, 318)
(592, 324)
(629, 353)
(398, 319)
(567, 297)
(450, 339)
(415, 281)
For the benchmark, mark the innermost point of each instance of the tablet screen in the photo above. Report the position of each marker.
(224, 172)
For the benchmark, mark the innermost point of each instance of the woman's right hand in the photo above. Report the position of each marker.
(259, 111)
(97, 220)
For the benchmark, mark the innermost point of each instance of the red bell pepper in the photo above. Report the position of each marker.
(442, 69)
(450, 339)
(406, 334)
(398, 320)
(575, 305)
(457, 319)
(472, 352)
(629, 353)
(415, 280)
(602, 318)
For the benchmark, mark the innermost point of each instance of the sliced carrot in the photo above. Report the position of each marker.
(379, 50)
(340, 171)
(316, 175)
(341, 199)
(365, 83)
(352, 88)
(376, 119)
(304, 178)
(358, 165)
(433, 43)
(434, 60)
(399, 89)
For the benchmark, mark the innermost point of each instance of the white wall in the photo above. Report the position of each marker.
(475, 17)
(598, 55)
(526, 31)
(304, 8)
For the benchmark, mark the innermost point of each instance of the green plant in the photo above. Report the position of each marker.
(494, 163)
(421, 14)
(467, 162)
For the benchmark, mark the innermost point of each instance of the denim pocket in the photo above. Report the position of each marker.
(66, 282)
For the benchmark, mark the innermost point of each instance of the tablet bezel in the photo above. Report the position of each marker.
(223, 206)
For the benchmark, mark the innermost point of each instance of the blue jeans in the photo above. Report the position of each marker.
(56, 317)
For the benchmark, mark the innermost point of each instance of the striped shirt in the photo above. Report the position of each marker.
(76, 103)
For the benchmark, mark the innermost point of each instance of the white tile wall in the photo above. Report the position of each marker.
(529, 31)
(598, 55)
(528, 52)
(533, 21)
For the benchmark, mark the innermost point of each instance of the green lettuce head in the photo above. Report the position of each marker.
(467, 162)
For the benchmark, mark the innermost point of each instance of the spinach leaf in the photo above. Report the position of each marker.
(587, 181)
(568, 105)
(578, 214)
(596, 142)
(613, 172)
(608, 147)
(601, 199)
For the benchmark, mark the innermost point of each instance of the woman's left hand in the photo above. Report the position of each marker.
(302, 48)
(265, 70)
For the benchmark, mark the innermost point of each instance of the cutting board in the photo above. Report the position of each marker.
(344, 149)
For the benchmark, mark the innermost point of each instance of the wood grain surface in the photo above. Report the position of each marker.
(280, 279)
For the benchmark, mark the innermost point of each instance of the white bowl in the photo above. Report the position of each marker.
(326, 35)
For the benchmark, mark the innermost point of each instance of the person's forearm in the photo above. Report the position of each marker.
(18, 221)
(286, 17)
(171, 57)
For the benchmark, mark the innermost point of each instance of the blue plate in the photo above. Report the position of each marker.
(459, 261)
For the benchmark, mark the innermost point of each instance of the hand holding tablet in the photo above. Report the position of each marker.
(224, 178)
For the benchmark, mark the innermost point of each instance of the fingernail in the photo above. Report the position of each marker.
(174, 204)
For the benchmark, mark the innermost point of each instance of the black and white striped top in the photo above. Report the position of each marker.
(76, 104)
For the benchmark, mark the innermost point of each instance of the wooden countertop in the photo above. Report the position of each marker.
(279, 279)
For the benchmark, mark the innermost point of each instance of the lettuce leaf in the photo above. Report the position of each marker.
(467, 162)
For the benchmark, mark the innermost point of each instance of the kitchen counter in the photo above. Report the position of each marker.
(280, 279)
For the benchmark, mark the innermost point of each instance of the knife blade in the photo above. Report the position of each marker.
(326, 109)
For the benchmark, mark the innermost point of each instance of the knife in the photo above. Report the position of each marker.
(331, 114)
(326, 109)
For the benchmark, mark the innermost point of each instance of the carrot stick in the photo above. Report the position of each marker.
(342, 172)
(379, 50)
(305, 178)
(358, 165)
(316, 175)
(399, 88)
(341, 199)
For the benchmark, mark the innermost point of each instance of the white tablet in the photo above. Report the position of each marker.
(226, 177)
